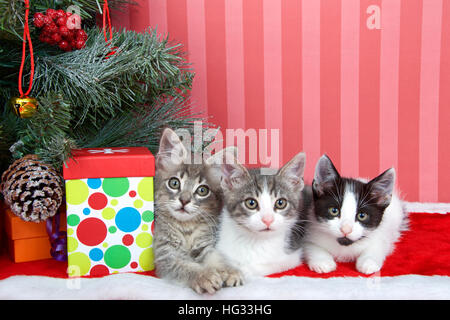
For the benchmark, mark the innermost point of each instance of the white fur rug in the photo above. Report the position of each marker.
(136, 287)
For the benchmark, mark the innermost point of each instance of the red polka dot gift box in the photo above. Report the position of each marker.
(109, 196)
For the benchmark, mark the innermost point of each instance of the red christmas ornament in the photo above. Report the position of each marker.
(60, 28)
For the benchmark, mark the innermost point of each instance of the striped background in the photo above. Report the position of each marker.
(369, 98)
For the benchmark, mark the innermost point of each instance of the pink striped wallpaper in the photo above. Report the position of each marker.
(365, 81)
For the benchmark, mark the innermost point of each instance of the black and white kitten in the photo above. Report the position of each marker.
(353, 220)
(262, 221)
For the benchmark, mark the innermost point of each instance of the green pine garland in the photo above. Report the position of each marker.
(142, 68)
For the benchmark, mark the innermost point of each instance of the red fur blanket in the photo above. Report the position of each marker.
(424, 250)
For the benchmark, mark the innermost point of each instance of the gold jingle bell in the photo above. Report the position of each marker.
(24, 107)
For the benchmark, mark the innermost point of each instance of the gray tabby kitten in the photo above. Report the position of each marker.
(188, 200)
(263, 219)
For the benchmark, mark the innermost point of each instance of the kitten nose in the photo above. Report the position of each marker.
(267, 220)
(346, 229)
(185, 201)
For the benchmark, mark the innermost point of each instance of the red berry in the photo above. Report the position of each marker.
(38, 22)
(42, 37)
(60, 13)
(45, 33)
(51, 13)
(64, 45)
(79, 44)
(65, 32)
(81, 35)
(56, 37)
(61, 21)
(68, 14)
(38, 19)
(51, 28)
(38, 15)
(47, 28)
(47, 20)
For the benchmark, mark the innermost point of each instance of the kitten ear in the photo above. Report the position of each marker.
(292, 172)
(324, 175)
(382, 187)
(234, 174)
(171, 150)
(214, 163)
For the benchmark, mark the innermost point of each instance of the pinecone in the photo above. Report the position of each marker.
(32, 189)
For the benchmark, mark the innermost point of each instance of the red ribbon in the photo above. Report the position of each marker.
(108, 41)
(26, 36)
(106, 15)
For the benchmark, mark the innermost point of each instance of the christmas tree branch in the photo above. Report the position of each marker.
(47, 133)
(11, 19)
(10, 125)
(142, 128)
(101, 86)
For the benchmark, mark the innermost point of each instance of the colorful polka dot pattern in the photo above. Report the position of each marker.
(111, 225)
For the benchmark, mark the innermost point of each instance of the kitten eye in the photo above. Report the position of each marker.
(174, 183)
(280, 203)
(202, 191)
(333, 211)
(251, 203)
(362, 216)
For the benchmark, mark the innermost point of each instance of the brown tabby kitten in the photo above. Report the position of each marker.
(188, 201)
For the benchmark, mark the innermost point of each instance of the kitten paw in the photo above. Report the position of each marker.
(207, 281)
(367, 265)
(232, 277)
(322, 266)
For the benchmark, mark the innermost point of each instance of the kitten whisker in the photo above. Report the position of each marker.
(368, 201)
(303, 220)
(210, 221)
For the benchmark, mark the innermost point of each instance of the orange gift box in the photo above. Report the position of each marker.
(28, 241)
